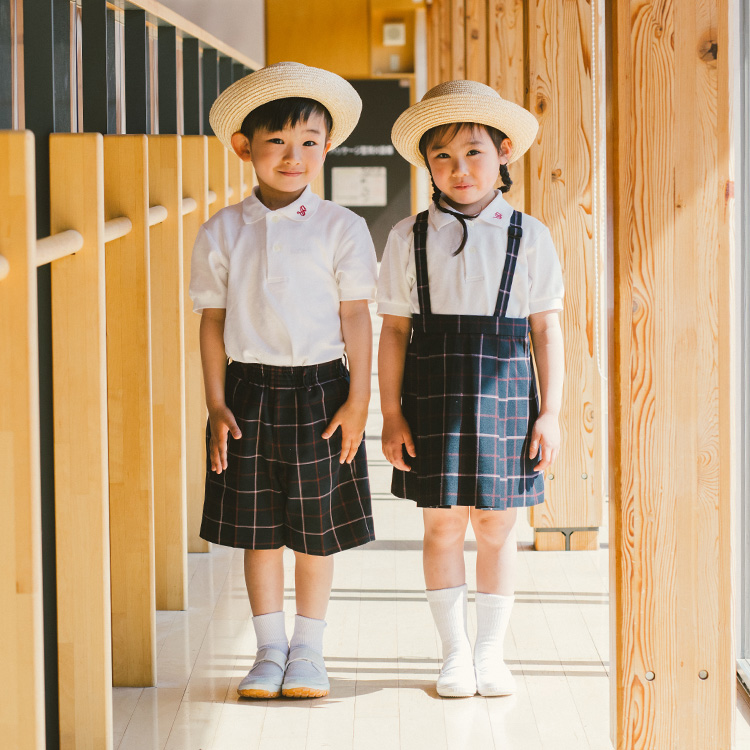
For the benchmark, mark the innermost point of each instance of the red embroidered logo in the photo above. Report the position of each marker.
(498, 216)
(302, 211)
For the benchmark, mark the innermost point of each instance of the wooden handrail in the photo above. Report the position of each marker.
(116, 228)
(58, 246)
(156, 215)
(212, 197)
(4, 267)
(188, 206)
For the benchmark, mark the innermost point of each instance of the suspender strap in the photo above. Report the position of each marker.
(511, 256)
(420, 259)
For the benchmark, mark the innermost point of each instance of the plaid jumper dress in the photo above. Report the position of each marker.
(469, 396)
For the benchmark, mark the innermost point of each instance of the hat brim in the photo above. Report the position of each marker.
(281, 81)
(516, 122)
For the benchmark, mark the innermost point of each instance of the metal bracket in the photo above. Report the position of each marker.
(567, 532)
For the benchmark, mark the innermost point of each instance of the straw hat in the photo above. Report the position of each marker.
(281, 80)
(463, 101)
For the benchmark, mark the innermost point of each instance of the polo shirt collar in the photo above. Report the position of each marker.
(497, 213)
(301, 210)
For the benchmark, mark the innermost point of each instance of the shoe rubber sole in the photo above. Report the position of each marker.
(258, 694)
(304, 692)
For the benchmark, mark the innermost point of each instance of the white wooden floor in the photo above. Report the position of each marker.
(382, 653)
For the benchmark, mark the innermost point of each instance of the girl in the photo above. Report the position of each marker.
(461, 285)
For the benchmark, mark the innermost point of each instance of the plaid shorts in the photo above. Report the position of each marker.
(284, 485)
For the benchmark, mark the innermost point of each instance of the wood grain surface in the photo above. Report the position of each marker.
(131, 489)
(194, 185)
(21, 639)
(168, 373)
(672, 491)
(79, 369)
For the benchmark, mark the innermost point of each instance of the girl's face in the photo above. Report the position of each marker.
(466, 168)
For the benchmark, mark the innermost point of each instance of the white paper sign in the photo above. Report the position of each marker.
(359, 186)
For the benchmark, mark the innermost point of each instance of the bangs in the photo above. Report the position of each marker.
(442, 135)
(284, 113)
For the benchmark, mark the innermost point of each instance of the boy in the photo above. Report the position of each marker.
(282, 281)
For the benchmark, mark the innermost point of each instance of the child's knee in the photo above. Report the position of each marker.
(493, 527)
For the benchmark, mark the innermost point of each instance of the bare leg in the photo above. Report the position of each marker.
(313, 576)
(495, 531)
(264, 578)
(443, 551)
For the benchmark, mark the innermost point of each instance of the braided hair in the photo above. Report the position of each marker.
(447, 133)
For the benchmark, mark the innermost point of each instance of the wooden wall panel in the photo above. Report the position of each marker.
(315, 36)
(129, 404)
(168, 373)
(560, 184)
(84, 632)
(194, 185)
(506, 73)
(21, 639)
(674, 399)
(545, 48)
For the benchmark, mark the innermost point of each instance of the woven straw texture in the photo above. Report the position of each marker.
(463, 101)
(281, 80)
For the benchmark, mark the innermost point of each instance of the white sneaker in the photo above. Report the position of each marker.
(306, 675)
(264, 683)
(457, 677)
(494, 678)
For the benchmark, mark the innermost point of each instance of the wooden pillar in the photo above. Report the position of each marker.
(560, 189)
(194, 185)
(84, 635)
(217, 174)
(21, 642)
(235, 178)
(129, 404)
(168, 373)
(674, 399)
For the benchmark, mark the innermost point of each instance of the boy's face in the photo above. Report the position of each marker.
(285, 161)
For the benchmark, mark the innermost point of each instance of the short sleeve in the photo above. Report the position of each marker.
(355, 265)
(208, 273)
(394, 293)
(546, 288)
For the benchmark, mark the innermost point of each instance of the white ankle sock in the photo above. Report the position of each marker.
(308, 633)
(493, 616)
(449, 609)
(270, 633)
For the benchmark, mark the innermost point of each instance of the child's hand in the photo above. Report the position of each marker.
(222, 423)
(396, 435)
(351, 417)
(545, 441)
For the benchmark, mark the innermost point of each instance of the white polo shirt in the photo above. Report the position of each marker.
(467, 284)
(281, 276)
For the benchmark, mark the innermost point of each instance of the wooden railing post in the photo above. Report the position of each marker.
(218, 178)
(84, 635)
(21, 642)
(129, 405)
(194, 185)
(168, 373)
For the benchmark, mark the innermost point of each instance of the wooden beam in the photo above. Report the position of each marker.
(21, 640)
(674, 398)
(84, 633)
(476, 40)
(168, 373)
(194, 185)
(129, 405)
(560, 184)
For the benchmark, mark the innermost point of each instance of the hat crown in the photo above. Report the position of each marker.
(452, 88)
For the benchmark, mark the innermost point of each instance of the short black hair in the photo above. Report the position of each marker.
(282, 113)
